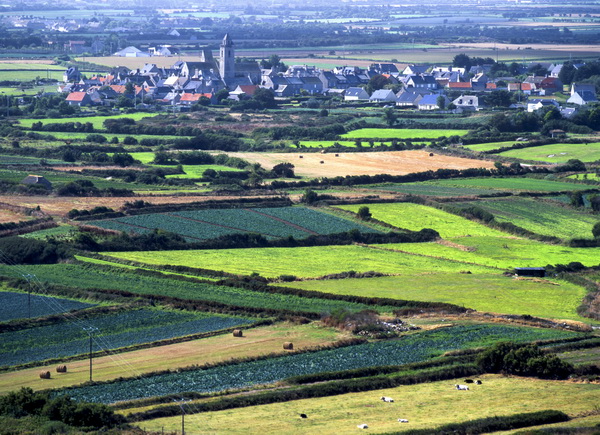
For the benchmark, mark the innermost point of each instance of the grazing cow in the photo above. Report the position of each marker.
(387, 399)
(461, 387)
(362, 426)
(403, 420)
(478, 382)
(303, 416)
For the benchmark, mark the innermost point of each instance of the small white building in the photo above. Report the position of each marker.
(356, 94)
(582, 94)
(383, 96)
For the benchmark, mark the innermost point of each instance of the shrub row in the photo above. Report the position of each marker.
(493, 424)
(312, 391)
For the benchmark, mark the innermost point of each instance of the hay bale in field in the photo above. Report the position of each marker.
(337, 155)
(430, 154)
(45, 374)
(61, 369)
(300, 157)
(321, 162)
(238, 333)
(288, 345)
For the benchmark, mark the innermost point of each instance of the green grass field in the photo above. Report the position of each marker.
(504, 253)
(401, 133)
(489, 146)
(541, 217)
(416, 217)
(558, 153)
(28, 76)
(197, 171)
(429, 189)
(482, 292)
(301, 262)
(509, 183)
(95, 120)
(587, 176)
(424, 405)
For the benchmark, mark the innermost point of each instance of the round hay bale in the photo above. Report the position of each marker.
(321, 162)
(337, 155)
(288, 345)
(300, 157)
(45, 374)
(430, 154)
(238, 333)
(61, 369)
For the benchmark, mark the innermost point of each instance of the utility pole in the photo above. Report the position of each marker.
(28, 277)
(90, 330)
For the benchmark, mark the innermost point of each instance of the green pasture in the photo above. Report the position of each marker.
(503, 253)
(95, 120)
(428, 189)
(416, 217)
(197, 171)
(144, 157)
(25, 90)
(402, 133)
(514, 184)
(558, 152)
(30, 66)
(489, 146)
(540, 216)
(482, 292)
(82, 136)
(28, 75)
(302, 262)
(587, 176)
(59, 232)
(425, 406)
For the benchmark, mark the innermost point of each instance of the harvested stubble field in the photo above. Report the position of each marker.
(393, 162)
(10, 216)
(423, 405)
(482, 292)
(255, 342)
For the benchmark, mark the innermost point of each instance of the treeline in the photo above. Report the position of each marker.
(162, 240)
(18, 250)
(440, 174)
(15, 228)
(329, 132)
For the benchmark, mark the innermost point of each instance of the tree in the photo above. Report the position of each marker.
(596, 230)
(309, 197)
(577, 201)
(441, 102)
(364, 213)
(390, 117)
(377, 82)
(266, 98)
(284, 170)
(462, 61)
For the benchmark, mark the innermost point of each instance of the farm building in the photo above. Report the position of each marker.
(530, 271)
(37, 180)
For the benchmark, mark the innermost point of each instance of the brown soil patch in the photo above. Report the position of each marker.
(9, 216)
(392, 162)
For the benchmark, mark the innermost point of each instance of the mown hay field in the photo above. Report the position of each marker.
(303, 262)
(95, 120)
(489, 146)
(482, 292)
(392, 162)
(558, 153)
(255, 342)
(423, 405)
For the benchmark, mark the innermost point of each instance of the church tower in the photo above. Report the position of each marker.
(227, 61)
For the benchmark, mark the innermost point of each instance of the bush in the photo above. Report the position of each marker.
(95, 137)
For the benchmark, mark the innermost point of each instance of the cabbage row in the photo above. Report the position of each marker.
(413, 348)
(69, 337)
(15, 306)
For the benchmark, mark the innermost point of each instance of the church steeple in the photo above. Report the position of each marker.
(227, 61)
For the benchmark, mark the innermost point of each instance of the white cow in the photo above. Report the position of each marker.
(387, 399)
(403, 420)
(461, 387)
(362, 426)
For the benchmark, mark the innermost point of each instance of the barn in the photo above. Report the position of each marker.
(37, 180)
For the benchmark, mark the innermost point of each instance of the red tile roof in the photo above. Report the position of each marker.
(460, 85)
(76, 96)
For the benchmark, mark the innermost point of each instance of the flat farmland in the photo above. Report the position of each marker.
(428, 189)
(503, 253)
(10, 216)
(494, 293)
(402, 133)
(425, 406)
(415, 217)
(514, 184)
(558, 153)
(95, 120)
(302, 262)
(14, 305)
(392, 162)
(489, 146)
(255, 342)
(540, 216)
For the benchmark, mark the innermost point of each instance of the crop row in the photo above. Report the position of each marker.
(114, 330)
(299, 222)
(15, 306)
(414, 348)
(91, 277)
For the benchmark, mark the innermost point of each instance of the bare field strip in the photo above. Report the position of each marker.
(60, 206)
(392, 162)
(256, 342)
(423, 405)
(10, 216)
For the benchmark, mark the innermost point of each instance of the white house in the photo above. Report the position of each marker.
(132, 51)
(582, 94)
(467, 102)
(356, 94)
(383, 96)
(536, 104)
